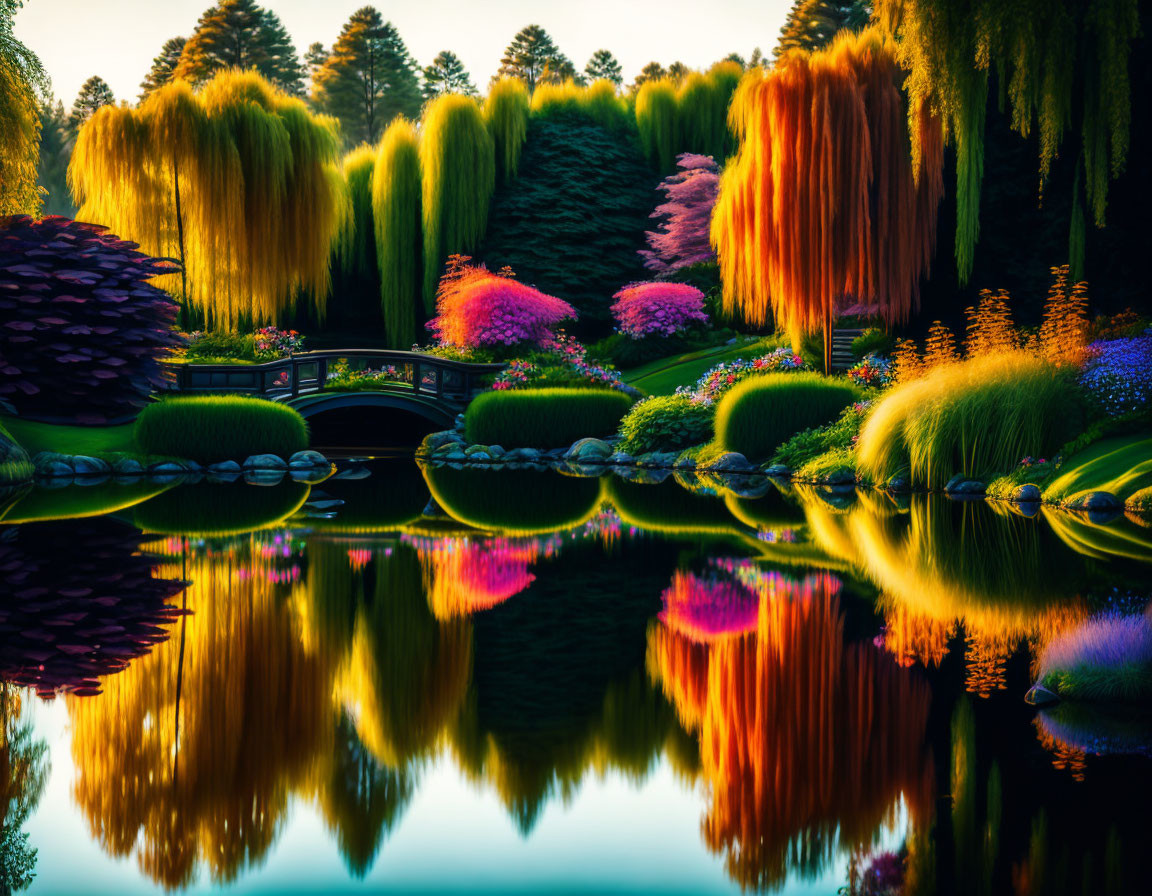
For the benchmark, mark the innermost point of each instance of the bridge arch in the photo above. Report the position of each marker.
(434, 412)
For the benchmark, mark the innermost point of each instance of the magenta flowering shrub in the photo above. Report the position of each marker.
(658, 309)
(724, 376)
(478, 309)
(682, 239)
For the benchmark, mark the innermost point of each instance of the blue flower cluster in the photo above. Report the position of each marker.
(1118, 374)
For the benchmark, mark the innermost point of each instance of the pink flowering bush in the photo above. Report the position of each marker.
(478, 309)
(658, 309)
(561, 361)
(271, 343)
(683, 237)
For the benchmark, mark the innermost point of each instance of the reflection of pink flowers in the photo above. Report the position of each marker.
(704, 609)
(467, 575)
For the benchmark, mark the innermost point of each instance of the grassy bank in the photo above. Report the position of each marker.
(93, 441)
(663, 376)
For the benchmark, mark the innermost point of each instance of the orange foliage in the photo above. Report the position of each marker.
(820, 207)
(939, 347)
(1064, 332)
(990, 327)
(915, 637)
(804, 741)
(464, 576)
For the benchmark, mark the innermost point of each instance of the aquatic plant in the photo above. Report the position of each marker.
(975, 418)
(458, 167)
(506, 115)
(84, 330)
(396, 213)
(476, 308)
(658, 308)
(210, 428)
(759, 414)
(1107, 657)
(237, 181)
(543, 418)
(821, 205)
(665, 423)
(683, 236)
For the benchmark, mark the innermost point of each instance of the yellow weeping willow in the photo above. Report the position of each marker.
(356, 248)
(396, 212)
(506, 114)
(820, 208)
(458, 164)
(239, 181)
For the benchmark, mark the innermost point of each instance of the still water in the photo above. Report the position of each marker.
(517, 681)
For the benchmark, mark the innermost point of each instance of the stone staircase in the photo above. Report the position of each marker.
(842, 357)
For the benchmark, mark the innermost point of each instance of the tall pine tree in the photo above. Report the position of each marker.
(240, 34)
(163, 66)
(529, 56)
(93, 94)
(447, 74)
(811, 24)
(368, 79)
(56, 140)
(603, 66)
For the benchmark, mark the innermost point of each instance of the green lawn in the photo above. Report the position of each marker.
(94, 441)
(1121, 465)
(661, 377)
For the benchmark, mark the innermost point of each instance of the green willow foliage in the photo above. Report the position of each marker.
(396, 210)
(356, 250)
(506, 114)
(458, 162)
(598, 102)
(1056, 61)
(690, 118)
(20, 76)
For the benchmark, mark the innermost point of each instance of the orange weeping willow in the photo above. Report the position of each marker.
(238, 181)
(820, 207)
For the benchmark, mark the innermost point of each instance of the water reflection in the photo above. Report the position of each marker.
(800, 660)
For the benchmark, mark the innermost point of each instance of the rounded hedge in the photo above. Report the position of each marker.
(665, 423)
(211, 428)
(758, 415)
(543, 418)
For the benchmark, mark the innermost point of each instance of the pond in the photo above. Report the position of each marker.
(447, 680)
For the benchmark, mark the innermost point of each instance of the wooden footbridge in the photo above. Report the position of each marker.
(432, 387)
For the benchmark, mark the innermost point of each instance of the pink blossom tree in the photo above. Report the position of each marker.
(682, 239)
(658, 309)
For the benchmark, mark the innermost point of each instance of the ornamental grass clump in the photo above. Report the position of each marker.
(1107, 658)
(211, 428)
(479, 309)
(975, 417)
(543, 418)
(758, 415)
(658, 309)
(665, 423)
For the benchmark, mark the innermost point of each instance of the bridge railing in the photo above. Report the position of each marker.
(447, 380)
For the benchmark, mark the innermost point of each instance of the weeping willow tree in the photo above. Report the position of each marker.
(820, 206)
(702, 110)
(598, 101)
(458, 165)
(21, 75)
(506, 114)
(656, 120)
(356, 248)
(396, 212)
(1060, 65)
(239, 182)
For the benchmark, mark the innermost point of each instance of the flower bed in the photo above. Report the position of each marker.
(563, 361)
(1118, 375)
(713, 384)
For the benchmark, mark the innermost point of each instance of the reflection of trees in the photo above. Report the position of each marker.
(23, 773)
(803, 740)
(469, 574)
(77, 601)
(190, 753)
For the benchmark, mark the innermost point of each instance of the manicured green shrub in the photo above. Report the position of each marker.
(215, 345)
(757, 415)
(210, 428)
(520, 501)
(665, 423)
(543, 418)
(976, 418)
(809, 444)
(220, 509)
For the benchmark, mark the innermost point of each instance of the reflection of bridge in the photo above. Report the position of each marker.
(432, 387)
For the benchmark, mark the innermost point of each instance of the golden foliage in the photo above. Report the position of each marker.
(907, 364)
(506, 114)
(820, 207)
(239, 181)
(939, 347)
(19, 141)
(990, 327)
(1063, 337)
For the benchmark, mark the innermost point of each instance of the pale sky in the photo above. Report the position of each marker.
(117, 39)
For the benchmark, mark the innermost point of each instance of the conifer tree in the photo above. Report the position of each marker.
(560, 70)
(240, 34)
(93, 94)
(811, 24)
(528, 56)
(163, 66)
(678, 71)
(56, 141)
(369, 78)
(603, 66)
(447, 74)
(314, 58)
(653, 71)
